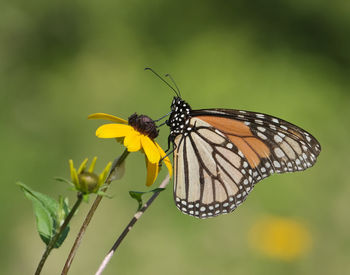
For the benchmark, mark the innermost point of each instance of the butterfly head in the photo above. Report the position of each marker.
(144, 125)
(179, 117)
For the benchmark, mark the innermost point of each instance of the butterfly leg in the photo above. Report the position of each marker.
(168, 153)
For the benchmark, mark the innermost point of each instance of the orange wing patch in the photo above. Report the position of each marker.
(247, 151)
(239, 133)
(258, 146)
(227, 125)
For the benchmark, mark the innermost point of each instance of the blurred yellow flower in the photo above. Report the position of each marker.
(137, 134)
(280, 238)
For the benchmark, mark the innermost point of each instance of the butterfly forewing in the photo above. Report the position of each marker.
(221, 154)
(286, 147)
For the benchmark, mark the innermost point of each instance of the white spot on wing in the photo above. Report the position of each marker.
(261, 135)
(279, 153)
(277, 138)
(295, 145)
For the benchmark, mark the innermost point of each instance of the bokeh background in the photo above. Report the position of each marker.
(62, 60)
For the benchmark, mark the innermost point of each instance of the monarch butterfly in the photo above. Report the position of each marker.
(220, 154)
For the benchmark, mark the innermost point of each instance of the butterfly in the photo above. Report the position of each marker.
(220, 154)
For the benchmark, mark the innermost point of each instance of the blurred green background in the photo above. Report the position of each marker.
(62, 60)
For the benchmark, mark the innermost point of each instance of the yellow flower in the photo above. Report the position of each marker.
(281, 238)
(137, 134)
(86, 181)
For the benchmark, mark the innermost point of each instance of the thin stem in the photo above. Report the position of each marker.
(53, 241)
(92, 210)
(130, 225)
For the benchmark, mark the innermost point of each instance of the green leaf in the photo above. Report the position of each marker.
(65, 181)
(44, 221)
(62, 214)
(137, 195)
(63, 209)
(66, 206)
(62, 237)
(49, 214)
(49, 203)
(44, 210)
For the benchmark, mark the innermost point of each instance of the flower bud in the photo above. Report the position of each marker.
(89, 182)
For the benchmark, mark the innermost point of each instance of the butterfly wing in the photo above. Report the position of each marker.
(225, 153)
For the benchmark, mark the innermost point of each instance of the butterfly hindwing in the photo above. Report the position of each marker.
(211, 175)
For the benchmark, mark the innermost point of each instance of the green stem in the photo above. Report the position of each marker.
(53, 241)
(92, 210)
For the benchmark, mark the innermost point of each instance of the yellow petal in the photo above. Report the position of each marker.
(82, 166)
(113, 130)
(108, 117)
(92, 166)
(132, 141)
(73, 174)
(102, 177)
(151, 150)
(166, 160)
(152, 172)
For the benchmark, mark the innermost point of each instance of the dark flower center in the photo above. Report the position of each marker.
(143, 124)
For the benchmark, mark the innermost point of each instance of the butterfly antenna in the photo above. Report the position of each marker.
(171, 87)
(172, 80)
(159, 119)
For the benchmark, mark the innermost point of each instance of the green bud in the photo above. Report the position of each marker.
(89, 182)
